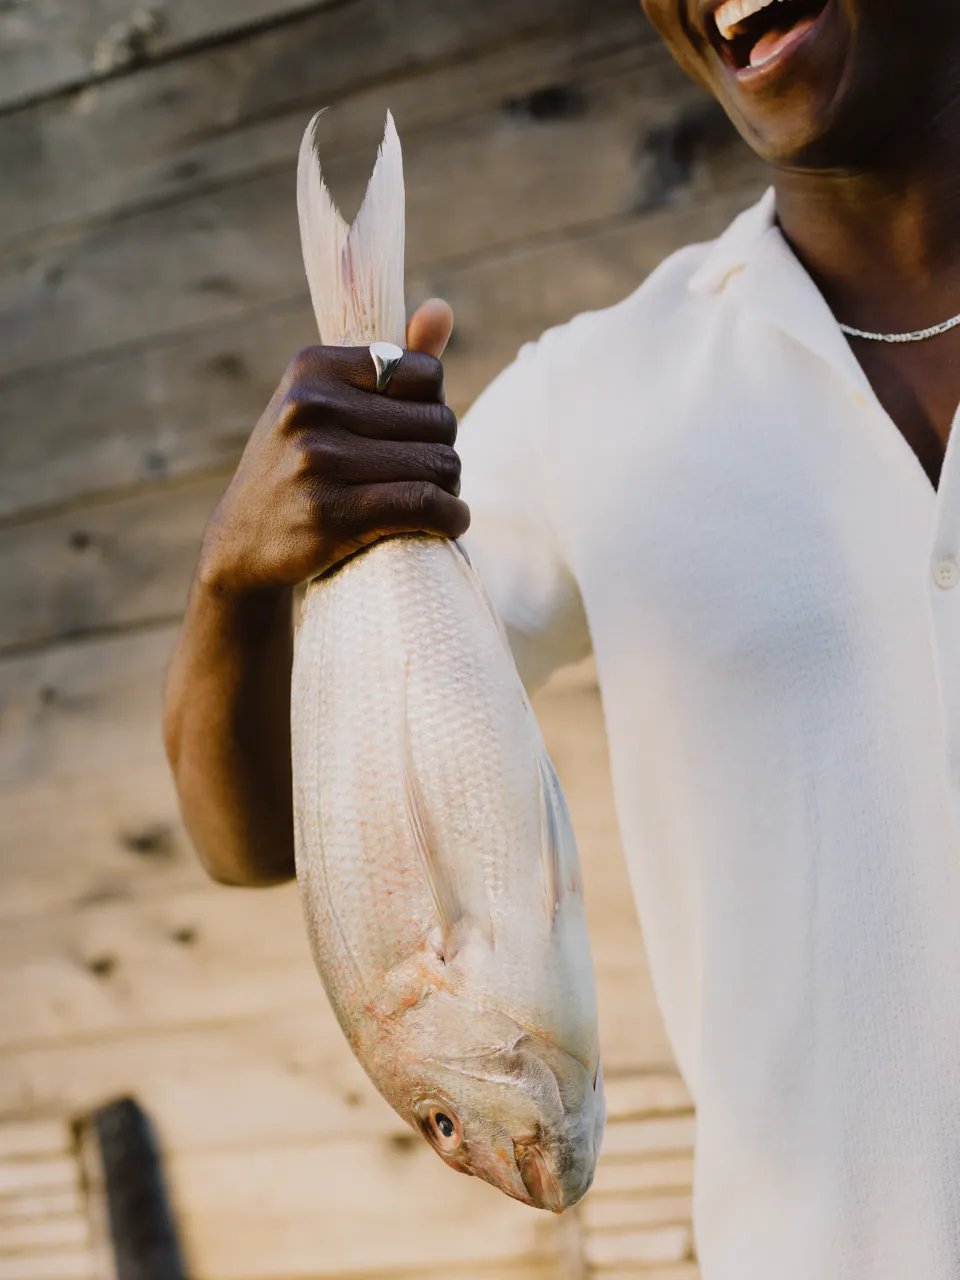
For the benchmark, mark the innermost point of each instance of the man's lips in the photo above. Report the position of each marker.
(758, 36)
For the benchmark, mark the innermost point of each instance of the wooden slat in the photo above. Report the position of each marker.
(47, 47)
(320, 1209)
(107, 566)
(58, 1265)
(655, 1245)
(233, 110)
(41, 1137)
(44, 1234)
(620, 1213)
(654, 1136)
(532, 1269)
(31, 1205)
(620, 1177)
(640, 1095)
(54, 1174)
(683, 1271)
(198, 1083)
(207, 259)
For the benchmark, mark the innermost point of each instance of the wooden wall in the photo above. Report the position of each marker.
(151, 293)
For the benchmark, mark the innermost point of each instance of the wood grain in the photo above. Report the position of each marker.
(208, 258)
(232, 110)
(189, 402)
(644, 1246)
(45, 48)
(309, 1210)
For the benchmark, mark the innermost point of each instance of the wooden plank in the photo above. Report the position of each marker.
(653, 1245)
(619, 1213)
(684, 1271)
(639, 1095)
(233, 110)
(197, 1083)
(119, 967)
(306, 1210)
(209, 258)
(45, 48)
(623, 1177)
(40, 1137)
(110, 565)
(57, 1203)
(44, 1234)
(55, 1174)
(654, 1136)
(65, 1265)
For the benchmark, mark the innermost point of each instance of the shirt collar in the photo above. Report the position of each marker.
(753, 261)
(730, 253)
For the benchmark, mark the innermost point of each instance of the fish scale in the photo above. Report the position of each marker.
(437, 867)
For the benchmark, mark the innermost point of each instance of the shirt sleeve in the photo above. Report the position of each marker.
(512, 540)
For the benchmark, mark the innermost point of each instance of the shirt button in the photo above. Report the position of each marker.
(946, 574)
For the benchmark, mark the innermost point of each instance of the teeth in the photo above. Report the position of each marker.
(732, 12)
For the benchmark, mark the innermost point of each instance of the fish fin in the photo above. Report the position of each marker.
(561, 863)
(355, 273)
(442, 893)
(463, 559)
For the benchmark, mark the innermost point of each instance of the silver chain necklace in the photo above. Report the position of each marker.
(917, 335)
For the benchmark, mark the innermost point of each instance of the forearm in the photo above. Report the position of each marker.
(227, 732)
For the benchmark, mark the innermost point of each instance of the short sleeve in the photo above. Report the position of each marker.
(512, 540)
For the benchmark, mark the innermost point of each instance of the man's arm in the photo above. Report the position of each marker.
(331, 466)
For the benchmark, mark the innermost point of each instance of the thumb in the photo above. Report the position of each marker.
(430, 327)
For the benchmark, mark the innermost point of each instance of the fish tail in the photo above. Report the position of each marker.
(355, 273)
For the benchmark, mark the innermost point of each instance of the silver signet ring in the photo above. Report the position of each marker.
(386, 357)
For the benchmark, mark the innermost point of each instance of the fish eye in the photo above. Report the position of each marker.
(444, 1124)
(441, 1126)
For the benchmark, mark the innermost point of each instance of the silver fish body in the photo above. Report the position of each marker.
(437, 865)
(439, 875)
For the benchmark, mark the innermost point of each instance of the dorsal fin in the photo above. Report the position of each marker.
(561, 863)
(355, 273)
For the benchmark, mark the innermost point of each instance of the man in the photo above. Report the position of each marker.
(740, 506)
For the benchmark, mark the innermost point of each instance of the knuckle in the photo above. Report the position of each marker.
(447, 465)
(301, 405)
(423, 499)
(433, 373)
(439, 421)
(302, 367)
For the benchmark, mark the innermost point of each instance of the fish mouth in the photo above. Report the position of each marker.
(540, 1184)
(753, 34)
(544, 1190)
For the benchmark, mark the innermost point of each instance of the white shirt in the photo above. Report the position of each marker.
(701, 484)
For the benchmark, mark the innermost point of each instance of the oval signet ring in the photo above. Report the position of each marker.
(386, 357)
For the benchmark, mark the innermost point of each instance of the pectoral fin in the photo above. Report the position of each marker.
(561, 864)
(442, 892)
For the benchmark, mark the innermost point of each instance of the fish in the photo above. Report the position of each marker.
(436, 861)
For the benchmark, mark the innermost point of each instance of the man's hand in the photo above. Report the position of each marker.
(332, 465)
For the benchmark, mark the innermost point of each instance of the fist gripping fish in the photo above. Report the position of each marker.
(437, 865)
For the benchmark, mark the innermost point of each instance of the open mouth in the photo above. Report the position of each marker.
(753, 33)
